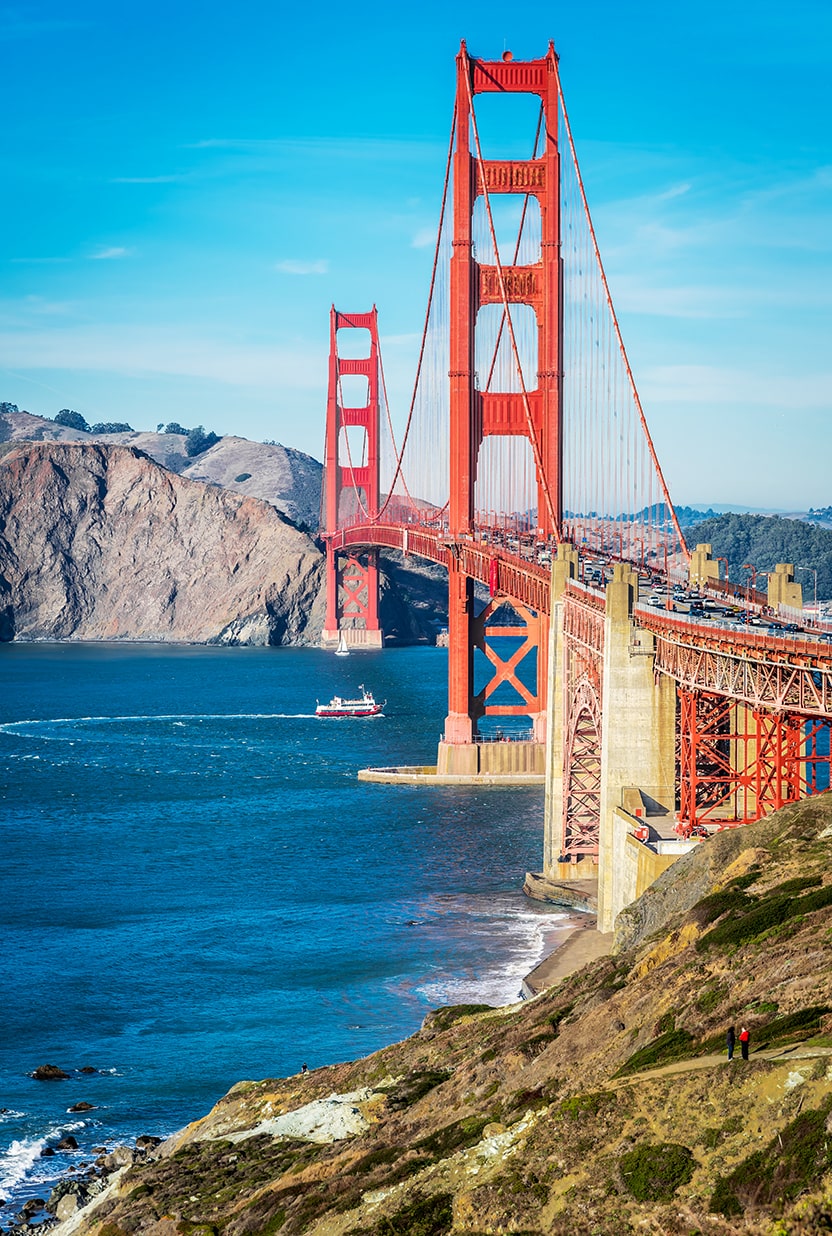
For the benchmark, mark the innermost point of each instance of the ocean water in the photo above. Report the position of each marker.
(196, 889)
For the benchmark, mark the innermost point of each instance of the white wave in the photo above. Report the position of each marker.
(23, 1158)
(18, 1161)
(9, 1114)
(20, 728)
(526, 936)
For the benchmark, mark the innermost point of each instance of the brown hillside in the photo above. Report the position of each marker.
(605, 1106)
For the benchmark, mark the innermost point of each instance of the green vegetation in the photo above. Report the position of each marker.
(451, 1137)
(73, 420)
(711, 996)
(445, 1016)
(654, 1173)
(111, 427)
(421, 1216)
(800, 1025)
(414, 1087)
(799, 883)
(745, 881)
(766, 540)
(198, 441)
(712, 907)
(792, 1162)
(670, 1046)
(742, 924)
(580, 1105)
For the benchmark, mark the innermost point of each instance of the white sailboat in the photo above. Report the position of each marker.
(342, 650)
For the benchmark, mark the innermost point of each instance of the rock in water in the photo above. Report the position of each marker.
(49, 1072)
(83, 1106)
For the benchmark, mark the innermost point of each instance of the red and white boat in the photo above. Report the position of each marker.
(364, 706)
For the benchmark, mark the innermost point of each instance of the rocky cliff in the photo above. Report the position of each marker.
(101, 543)
(604, 1107)
(287, 478)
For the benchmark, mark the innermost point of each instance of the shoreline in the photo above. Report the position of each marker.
(578, 943)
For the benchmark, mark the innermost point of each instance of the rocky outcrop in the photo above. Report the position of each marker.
(286, 477)
(100, 543)
(603, 1107)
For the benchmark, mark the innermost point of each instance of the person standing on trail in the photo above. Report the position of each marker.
(729, 1042)
(744, 1037)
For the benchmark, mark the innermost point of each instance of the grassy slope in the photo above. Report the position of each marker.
(602, 1107)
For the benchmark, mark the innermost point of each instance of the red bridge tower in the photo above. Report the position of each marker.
(351, 484)
(533, 412)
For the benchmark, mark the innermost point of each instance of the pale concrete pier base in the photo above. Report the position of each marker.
(355, 638)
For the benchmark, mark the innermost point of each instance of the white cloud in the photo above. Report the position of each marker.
(293, 266)
(714, 385)
(424, 238)
(145, 350)
(110, 253)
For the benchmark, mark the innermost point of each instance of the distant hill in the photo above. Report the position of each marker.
(765, 540)
(287, 478)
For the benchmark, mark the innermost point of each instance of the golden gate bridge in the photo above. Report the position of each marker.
(526, 468)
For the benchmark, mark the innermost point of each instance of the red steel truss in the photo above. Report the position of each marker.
(582, 774)
(737, 764)
(351, 589)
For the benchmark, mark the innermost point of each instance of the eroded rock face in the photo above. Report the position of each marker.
(100, 543)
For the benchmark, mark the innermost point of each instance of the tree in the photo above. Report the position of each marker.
(6, 408)
(112, 427)
(73, 420)
(199, 441)
(175, 427)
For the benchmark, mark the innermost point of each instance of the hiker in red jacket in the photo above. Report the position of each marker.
(744, 1037)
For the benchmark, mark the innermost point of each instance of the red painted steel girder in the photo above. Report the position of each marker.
(768, 672)
(525, 583)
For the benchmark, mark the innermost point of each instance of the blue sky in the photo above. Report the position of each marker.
(187, 188)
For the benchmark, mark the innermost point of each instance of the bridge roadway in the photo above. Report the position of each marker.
(791, 672)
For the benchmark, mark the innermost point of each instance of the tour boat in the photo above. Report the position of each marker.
(364, 706)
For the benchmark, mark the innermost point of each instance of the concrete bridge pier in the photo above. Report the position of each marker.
(635, 758)
(638, 737)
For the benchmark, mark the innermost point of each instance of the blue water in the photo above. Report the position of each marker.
(196, 889)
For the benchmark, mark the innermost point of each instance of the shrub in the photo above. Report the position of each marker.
(580, 1105)
(451, 1137)
(414, 1087)
(743, 881)
(793, 1161)
(445, 1016)
(73, 420)
(764, 915)
(802, 1024)
(421, 1216)
(198, 441)
(798, 884)
(654, 1173)
(111, 427)
(710, 996)
(716, 904)
(674, 1045)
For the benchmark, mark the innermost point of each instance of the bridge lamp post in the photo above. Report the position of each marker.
(815, 573)
(725, 560)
